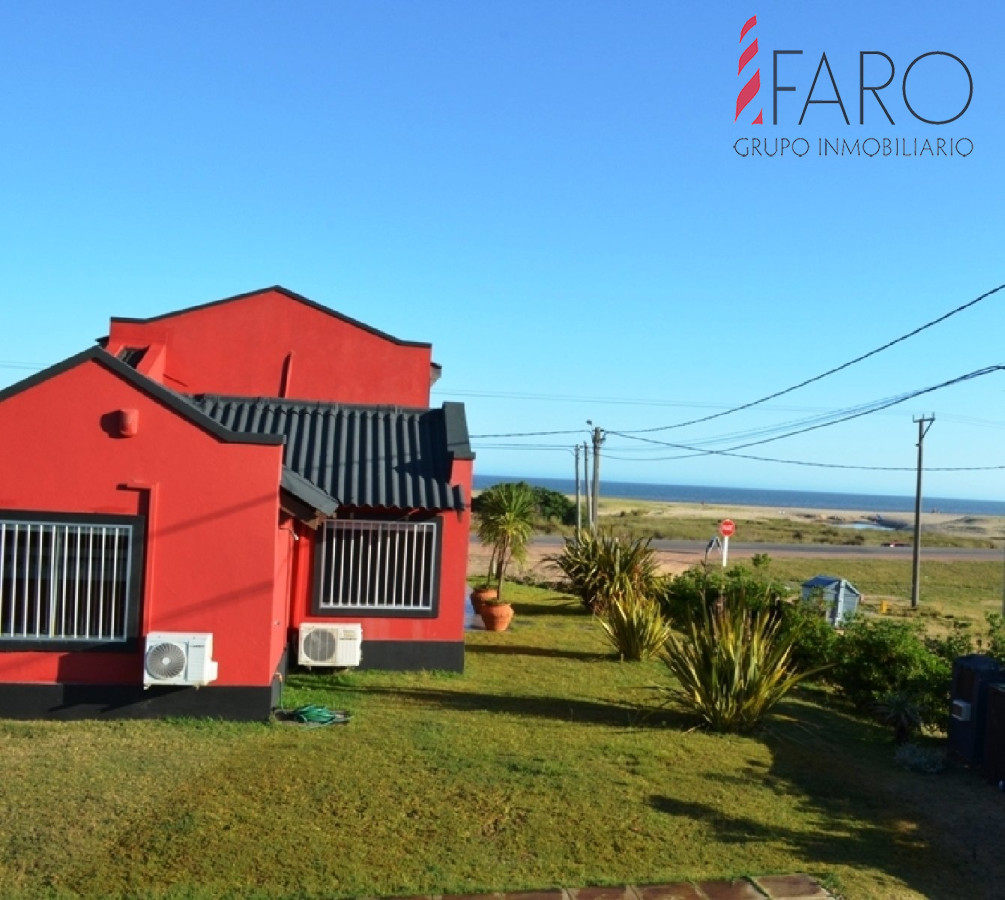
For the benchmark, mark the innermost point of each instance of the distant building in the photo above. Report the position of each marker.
(840, 597)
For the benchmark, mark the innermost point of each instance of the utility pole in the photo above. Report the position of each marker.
(598, 439)
(916, 570)
(586, 486)
(579, 511)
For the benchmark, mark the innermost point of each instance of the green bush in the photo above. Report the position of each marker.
(706, 586)
(635, 626)
(996, 636)
(603, 567)
(732, 666)
(548, 505)
(948, 647)
(814, 639)
(877, 658)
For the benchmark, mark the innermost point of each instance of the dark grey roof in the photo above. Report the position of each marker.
(376, 456)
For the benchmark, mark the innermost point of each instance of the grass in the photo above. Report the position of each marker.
(950, 592)
(547, 763)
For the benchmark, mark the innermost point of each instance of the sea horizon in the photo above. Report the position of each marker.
(763, 497)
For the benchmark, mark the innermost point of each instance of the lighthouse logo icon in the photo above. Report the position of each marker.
(753, 84)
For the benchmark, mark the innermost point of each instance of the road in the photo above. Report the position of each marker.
(548, 543)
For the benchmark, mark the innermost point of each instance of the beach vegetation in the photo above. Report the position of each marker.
(634, 625)
(604, 566)
(878, 658)
(703, 586)
(732, 665)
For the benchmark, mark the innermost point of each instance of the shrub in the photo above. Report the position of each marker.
(732, 666)
(901, 711)
(876, 658)
(635, 626)
(959, 643)
(814, 639)
(603, 567)
(553, 505)
(996, 636)
(704, 586)
(548, 505)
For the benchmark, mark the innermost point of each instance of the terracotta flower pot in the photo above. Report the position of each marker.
(479, 595)
(496, 616)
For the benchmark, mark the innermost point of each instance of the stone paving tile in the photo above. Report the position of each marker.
(680, 890)
(772, 887)
(740, 889)
(603, 893)
(556, 894)
(791, 887)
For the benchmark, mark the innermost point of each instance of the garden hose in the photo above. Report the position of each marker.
(315, 716)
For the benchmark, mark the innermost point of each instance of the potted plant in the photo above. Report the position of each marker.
(505, 523)
(496, 614)
(482, 591)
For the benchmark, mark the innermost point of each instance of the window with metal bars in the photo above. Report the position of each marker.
(68, 580)
(378, 567)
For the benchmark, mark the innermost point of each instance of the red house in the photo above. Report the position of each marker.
(214, 494)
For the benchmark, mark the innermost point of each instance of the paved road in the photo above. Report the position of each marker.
(788, 551)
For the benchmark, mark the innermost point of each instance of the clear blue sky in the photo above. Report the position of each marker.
(549, 193)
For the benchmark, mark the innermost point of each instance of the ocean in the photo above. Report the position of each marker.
(727, 496)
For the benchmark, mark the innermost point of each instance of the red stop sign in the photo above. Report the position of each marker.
(727, 527)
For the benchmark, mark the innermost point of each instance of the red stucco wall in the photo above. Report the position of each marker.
(211, 561)
(270, 344)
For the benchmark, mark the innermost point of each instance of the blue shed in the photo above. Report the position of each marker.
(840, 597)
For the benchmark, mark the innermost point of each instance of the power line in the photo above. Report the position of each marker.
(855, 412)
(823, 375)
(864, 410)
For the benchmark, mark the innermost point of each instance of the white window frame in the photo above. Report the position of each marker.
(68, 581)
(378, 567)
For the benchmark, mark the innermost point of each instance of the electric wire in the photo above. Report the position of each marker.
(864, 410)
(829, 372)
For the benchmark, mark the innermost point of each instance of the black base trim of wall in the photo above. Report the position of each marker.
(411, 656)
(94, 701)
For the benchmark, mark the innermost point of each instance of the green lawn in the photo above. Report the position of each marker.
(546, 763)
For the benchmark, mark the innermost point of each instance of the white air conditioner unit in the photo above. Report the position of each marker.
(175, 657)
(960, 710)
(330, 645)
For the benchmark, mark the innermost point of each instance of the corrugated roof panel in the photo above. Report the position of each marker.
(361, 456)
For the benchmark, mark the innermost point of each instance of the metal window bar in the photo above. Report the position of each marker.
(377, 565)
(62, 581)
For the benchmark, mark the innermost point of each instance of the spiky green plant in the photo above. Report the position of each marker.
(732, 666)
(635, 626)
(602, 567)
(505, 523)
(901, 711)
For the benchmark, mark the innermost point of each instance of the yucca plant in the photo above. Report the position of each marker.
(601, 567)
(732, 666)
(634, 624)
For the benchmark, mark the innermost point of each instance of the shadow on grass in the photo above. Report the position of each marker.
(560, 606)
(861, 812)
(559, 709)
(513, 650)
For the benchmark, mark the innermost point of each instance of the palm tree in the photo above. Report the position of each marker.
(505, 524)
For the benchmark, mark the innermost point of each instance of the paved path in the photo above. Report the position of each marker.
(766, 887)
